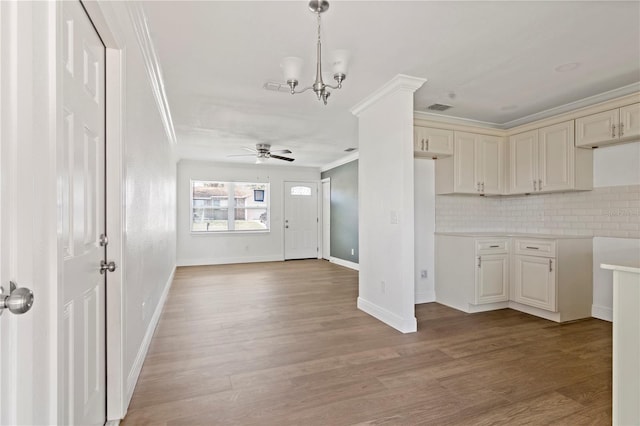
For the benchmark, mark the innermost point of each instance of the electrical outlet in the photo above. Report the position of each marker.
(383, 287)
(423, 273)
(353, 251)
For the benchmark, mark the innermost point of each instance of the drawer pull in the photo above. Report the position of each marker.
(533, 248)
(494, 246)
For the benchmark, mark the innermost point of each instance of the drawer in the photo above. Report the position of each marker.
(542, 248)
(492, 246)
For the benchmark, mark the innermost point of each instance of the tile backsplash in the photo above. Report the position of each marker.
(612, 211)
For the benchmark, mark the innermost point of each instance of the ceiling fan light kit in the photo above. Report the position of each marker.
(292, 66)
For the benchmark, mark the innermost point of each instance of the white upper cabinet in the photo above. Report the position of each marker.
(523, 170)
(477, 166)
(630, 122)
(432, 143)
(545, 160)
(608, 127)
(556, 157)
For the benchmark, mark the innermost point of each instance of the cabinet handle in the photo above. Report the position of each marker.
(621, 129)
(427, 144)
(478, 187)
(533, 248)
(613, 130)
(539, 184)
(550, 265)
(479, 261)
(482, 186)
(422, 144)
(535, 185)
(494, 246)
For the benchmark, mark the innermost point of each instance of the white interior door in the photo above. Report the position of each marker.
(300, 220)
(82, 211)
(326, 219)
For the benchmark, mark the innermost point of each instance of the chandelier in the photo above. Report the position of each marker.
(291, 66)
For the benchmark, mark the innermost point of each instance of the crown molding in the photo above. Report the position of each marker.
(344, 160)
(152, 66)
(399, 82)
(590, 105)
(573, 106)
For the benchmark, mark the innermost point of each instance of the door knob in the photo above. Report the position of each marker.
(18, 301)
(107, 266)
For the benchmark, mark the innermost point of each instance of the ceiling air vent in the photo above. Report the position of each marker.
(439, 107)
(349, 149)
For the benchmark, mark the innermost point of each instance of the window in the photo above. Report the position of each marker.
(229, 206)
(301, 190)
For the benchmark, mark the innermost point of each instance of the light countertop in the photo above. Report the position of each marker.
(511, 235)
(631, 266)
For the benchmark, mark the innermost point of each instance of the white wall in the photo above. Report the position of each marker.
(386, 204)
(148, 237)
(211, 249)
(425, 226)
(615, 166)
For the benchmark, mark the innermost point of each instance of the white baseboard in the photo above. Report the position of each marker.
(405, 325)
(602, 312)
(134, 373)
(345, 263)
(229, 260)
(425, 297)
(112, 423)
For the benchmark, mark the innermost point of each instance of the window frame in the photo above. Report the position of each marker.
(231, 208)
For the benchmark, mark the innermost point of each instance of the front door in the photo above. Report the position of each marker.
(81, 193)
(300, 220)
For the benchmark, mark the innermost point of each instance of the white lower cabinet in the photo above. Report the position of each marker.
(548, 277)
(492, 279)
(535, 282)
(472, 274)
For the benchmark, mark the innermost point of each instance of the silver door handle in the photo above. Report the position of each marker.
(107, 266)
(18, 301)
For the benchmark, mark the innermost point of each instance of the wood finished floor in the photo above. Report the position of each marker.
(283, 344)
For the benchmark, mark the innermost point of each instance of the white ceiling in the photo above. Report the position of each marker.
(495, 62)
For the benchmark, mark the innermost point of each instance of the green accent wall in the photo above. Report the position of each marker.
(344, 210)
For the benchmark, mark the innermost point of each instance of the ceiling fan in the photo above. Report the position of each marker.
(263, 152)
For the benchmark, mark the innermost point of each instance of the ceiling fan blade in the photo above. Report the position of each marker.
(282, 158)
(281, 151)
(249, 149)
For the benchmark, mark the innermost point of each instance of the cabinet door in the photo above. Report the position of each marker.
(523, 150)
(492, 275)
(429, 142)
(490, 164)
(465, 179)
(629, 121)
(535, 282)
(556, 157)
(595, 129)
